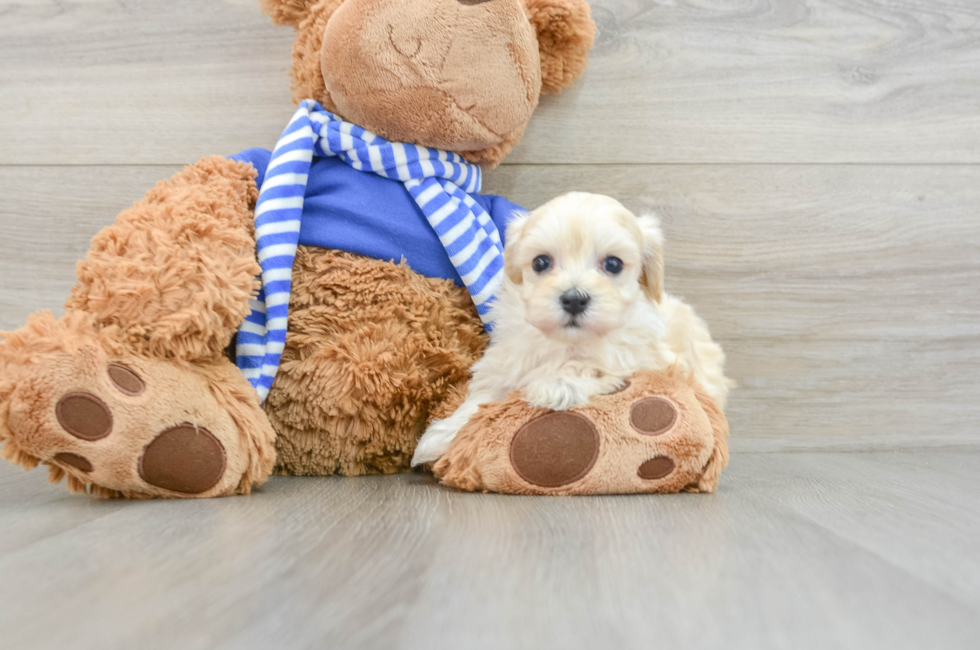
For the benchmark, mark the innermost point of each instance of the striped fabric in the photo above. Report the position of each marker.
(440, 182)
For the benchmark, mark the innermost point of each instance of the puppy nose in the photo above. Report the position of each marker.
(574, 301)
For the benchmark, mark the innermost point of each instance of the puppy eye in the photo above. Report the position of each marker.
(541, 263)
(613, 265)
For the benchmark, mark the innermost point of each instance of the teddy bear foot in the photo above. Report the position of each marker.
(660, 433)
(117, 424)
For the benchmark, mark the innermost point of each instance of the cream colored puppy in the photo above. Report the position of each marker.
(582, 309)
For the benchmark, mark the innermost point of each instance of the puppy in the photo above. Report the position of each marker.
(582, 309)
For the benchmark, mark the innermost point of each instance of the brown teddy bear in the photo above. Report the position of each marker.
(133, 392)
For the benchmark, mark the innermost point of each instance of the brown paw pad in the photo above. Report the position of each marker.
(655, 468)
(185, 458)
(76, 461)
(653, 416)
(555, 449)
(126, 380)
(84, 416)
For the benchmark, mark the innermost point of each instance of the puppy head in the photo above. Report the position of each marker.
(581, 262)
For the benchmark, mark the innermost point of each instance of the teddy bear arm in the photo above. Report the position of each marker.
(176, 270)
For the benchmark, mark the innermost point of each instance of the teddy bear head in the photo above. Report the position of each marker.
(459, 75)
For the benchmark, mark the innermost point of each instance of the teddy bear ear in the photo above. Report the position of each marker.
(566, 33)
(287, 12)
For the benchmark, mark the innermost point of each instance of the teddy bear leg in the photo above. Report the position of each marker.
(129, 393)
(660, 433)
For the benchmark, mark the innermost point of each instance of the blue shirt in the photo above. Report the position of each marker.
(370, 215)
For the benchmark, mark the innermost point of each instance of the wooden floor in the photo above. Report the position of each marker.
(816, 164)
(804, 550)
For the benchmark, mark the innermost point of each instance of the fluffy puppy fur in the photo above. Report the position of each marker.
(582, 309)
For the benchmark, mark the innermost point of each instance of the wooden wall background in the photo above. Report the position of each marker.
(816, 164)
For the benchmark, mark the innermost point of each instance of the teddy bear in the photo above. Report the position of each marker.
(171, 374)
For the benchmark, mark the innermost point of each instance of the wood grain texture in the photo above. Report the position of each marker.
(806, 550)
(48, 216)
(107, 82)
(100, 81)
(846, 296)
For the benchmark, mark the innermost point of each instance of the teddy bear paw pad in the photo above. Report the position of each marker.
(84, 416)
(186, 458)
(555, 449)
(656, 468)
(75, 460)
(126, 380)
(653, 416)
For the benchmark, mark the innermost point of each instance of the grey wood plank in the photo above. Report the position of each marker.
(34, 510)
(150, 82)
(915, 510)
(846, 296)
(98, 81)
(49, 216)
(795, 550)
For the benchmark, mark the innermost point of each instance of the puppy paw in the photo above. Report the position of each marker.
(609, 385)
(435, 441)
(563, 393)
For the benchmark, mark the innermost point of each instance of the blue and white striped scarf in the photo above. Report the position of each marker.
(439, 181)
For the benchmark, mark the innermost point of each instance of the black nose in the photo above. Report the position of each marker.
(574, 301)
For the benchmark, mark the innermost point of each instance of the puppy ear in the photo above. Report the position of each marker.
(652, 275)
(287, 12)
(566, 33)
(515, 230)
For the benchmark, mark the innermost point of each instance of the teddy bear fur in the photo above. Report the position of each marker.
(133, 393)
(686, 450)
